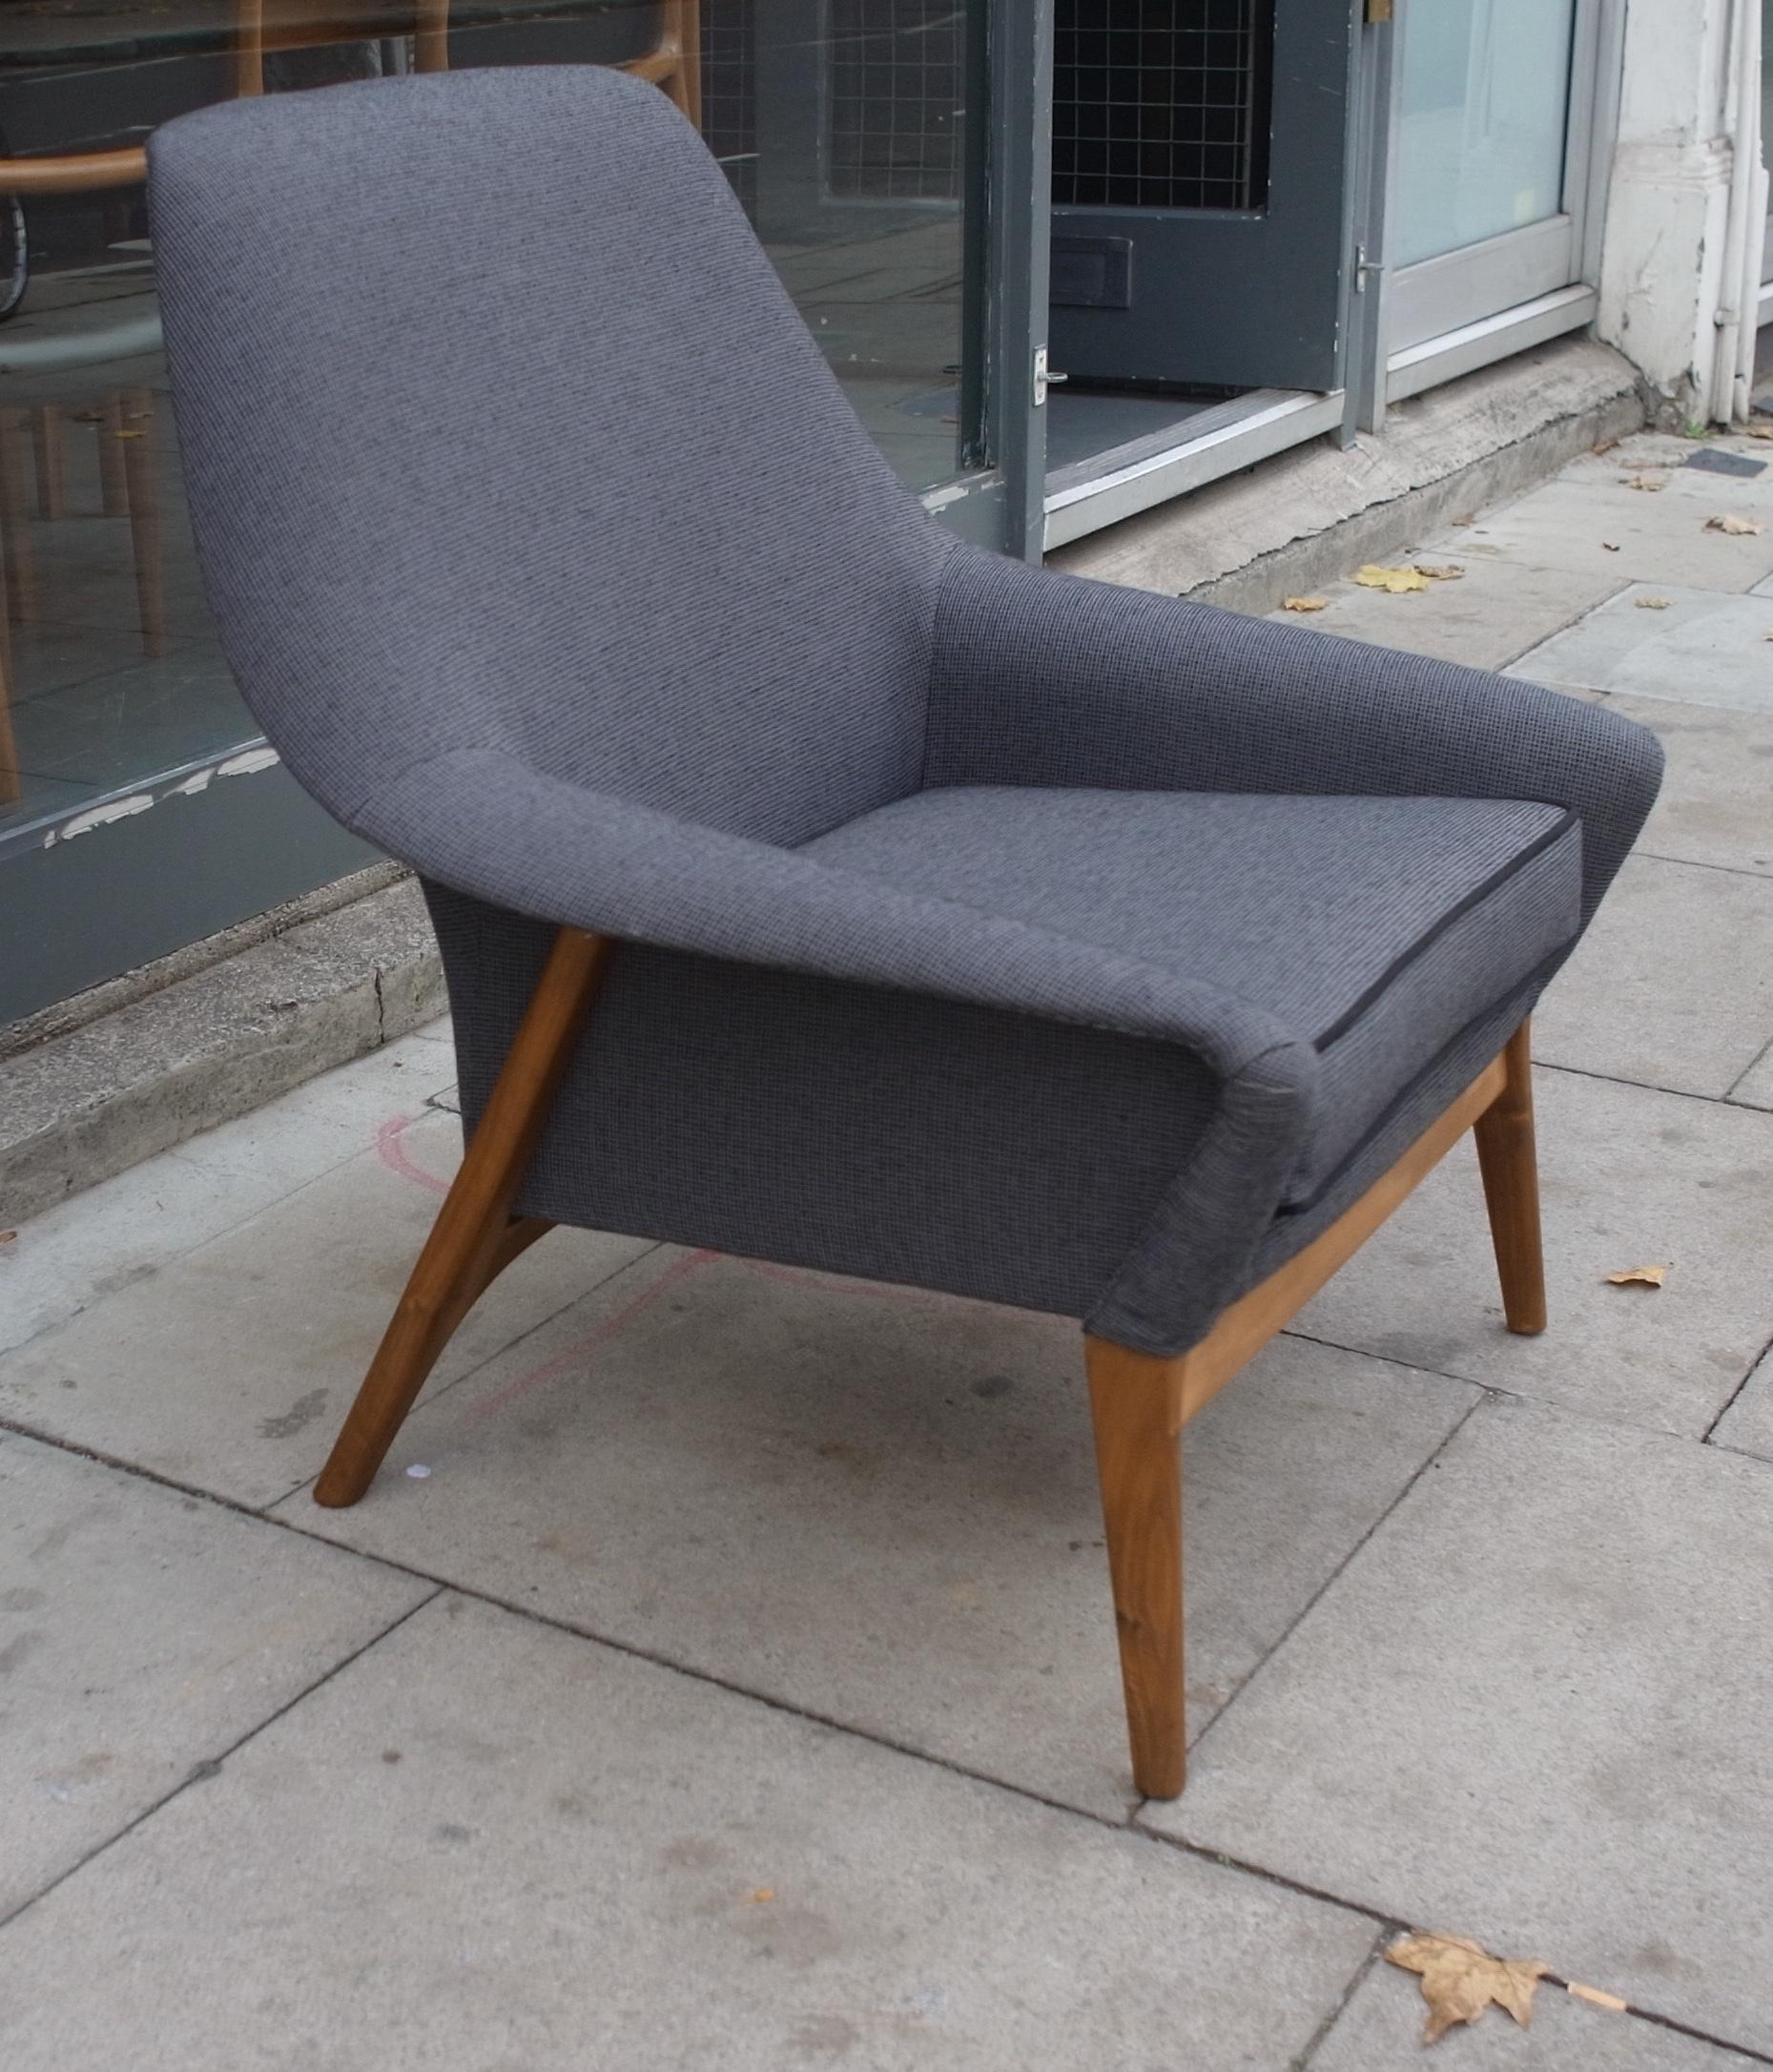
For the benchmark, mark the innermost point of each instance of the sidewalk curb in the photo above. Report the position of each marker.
(216, 1045)
(1305, 518)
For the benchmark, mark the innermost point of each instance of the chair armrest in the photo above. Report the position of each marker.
(1040, 678)
(485, 823)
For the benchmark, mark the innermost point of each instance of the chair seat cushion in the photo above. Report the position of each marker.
(1373, 928)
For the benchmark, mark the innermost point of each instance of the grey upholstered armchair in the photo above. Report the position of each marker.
(946, 922)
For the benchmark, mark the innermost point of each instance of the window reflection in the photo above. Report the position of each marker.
(840, 123)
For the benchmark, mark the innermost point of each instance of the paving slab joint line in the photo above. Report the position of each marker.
(1632, 2012)
(1760, 1059)
(1707, 1437)
(1387, 1925)
(1304, 1611)
(1643, 1086)
(211, 1766)
(441, 1584)
(1301, 2060)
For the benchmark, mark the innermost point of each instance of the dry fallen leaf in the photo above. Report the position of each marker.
(1439, 572)
(1470, 519)
(1305, 604)
(1595, 1997)
(1640, 1277)
(1608, 547)
(1461, 1979)
(1654, 604)
(1729, 522)
(1763, 430)
(7, 1236)
(758, 1897)
(1644, 482)
(1395, 580)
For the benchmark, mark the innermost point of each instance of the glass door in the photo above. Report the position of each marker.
(1486, 180)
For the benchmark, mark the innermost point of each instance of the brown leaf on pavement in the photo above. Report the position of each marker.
(1654, 604)
(1644, 482)
(1460, 1980)
(1763, 430)
(1395, 580)
(1439, 572)
(1305, 604)
(7, 1236)
(1728, 522)
(1640, 1277)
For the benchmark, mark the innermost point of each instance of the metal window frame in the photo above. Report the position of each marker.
(1458, 311)
(1002, 503)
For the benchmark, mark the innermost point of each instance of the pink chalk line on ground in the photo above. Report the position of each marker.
(393, 1153)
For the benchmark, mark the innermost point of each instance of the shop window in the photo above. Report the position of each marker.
(842, 127)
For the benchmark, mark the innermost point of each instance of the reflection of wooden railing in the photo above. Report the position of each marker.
(124, 420)
(674, 64)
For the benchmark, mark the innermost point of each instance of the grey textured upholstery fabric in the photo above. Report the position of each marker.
(1024, 937)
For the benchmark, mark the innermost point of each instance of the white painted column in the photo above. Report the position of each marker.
(1666, 266)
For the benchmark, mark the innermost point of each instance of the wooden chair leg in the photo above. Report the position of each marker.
(475, 1237)
(1508, 1161)
(1136, 1402)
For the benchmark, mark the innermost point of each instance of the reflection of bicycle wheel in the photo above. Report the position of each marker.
(14, 256)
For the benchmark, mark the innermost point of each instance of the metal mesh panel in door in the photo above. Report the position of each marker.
(1162, 104)
(896, 85)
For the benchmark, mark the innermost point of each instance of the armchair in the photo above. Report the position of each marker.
(811, 885)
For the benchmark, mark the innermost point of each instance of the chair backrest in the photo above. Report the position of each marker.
(500, 430)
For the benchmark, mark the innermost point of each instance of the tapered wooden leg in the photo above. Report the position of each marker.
(1510, 1166)
(475, 1235)
(1136, 1402)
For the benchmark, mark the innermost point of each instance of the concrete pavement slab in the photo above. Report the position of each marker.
(1380, 2030)
(1605, 531)
(230, 1368)
(1673, 983)
(490, 1844)
(1533, 1710)
(1487, 618)
(1629, 1177)
(881, 1507)
(127, 1228)
(141, 1634)
(1716, 804)
(1680, 467)
(1755, 1088)
(1747, 1425)
(1702, 649)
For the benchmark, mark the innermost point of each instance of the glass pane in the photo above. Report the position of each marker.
(1486, 97)
(851, 154)
(843, 126)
